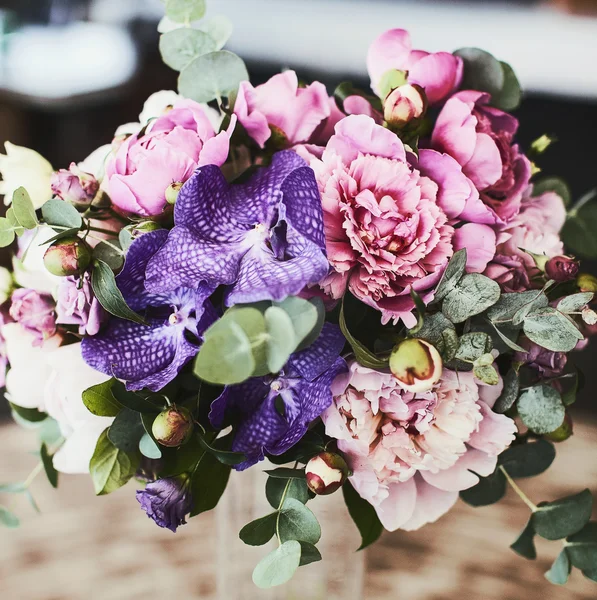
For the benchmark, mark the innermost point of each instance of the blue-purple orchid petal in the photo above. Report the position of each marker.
(150, 356)
(263, 238)
(273, 413)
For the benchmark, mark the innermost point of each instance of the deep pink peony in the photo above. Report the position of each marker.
(35, 312)
(176, 143)
(280, 104)
(480, 138)
(412, 453)
(535, 229)
(439, 74)
(387, 223)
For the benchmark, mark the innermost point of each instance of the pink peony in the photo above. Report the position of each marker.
(439, 74)
(145, 166)
(412, 453)
(387, 223)
(74, 185)
(535, 229)
(279, 104)
(480, 137)
(35, 312)
(76, 305)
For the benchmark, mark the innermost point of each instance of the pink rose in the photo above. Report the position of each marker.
(439, 74)
(480, 138)
(281, 105)
(145, 166)
(34, 312)
(412, 453)
(76, 305)
(387, 223)
(535, 229)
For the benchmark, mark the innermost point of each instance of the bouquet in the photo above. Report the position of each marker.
(369, 290)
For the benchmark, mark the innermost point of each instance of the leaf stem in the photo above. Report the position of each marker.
(101, 230)
(518, 491)
(282, 500)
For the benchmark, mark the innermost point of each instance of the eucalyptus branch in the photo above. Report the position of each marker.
(518, 491)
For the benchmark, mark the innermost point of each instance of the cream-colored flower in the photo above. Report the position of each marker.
(6, 284)
(24, 167)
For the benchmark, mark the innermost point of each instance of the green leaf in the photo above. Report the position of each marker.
(472, 346)
(553, 184)
(575, 302)
(471, 296)
(182, 459)
(551, 329)
(134, 401)
(9, 519)
(282, 339)
(51, 472)
(180, 46)
(508, 98)
(482, 71)
(226, 457)
(10, 215)
(506, 339)
(590, 574)
(7, 232)
(12, 488)
(125, 239)
(100, 401)
(488, 491)
(208, 484)
(389, 81)
(582, 547)
(564, 517)
(528, 460)
(487, 374)
(309, 554)
(111, 468)
(29, 414)
(286, 473)
(452, 275)
(363, 355)
(60, 213)
(23, 209)
(579, 229)
(541, 409)
(307, 317)
(211, 76)
(297, 522)
(260, 531)
(274, 490)
(363, 515)
(109, 296)
(509, 393)
(279, 566)
(185, 11)
(148, 447)
(219, 28)
(560, 570)
(421, 308)
(126, 431)
(32, 501)
(524, 545)
(509, 304)
(110, 253)
(346, 89)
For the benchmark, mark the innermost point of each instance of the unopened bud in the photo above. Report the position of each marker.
(172, 192)
(75, 186)
(587, 282)
(416, 364)
(561, 268)
(68, 256)
(144, 227)
(404, 104)
(563, 432)
(173, 427)
(589, 316)
(326, 473)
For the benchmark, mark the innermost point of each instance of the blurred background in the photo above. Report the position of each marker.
(71, 71)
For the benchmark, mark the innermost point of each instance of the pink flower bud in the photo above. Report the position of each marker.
(35, 312)
(404, 104)
(74, 185)
(326, 473)
(416, 364)
(173, 427)
(561, 268)
(68, 256)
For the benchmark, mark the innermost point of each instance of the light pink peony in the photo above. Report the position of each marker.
(144, 166)
(76, 305)
(387, 223)
(480, 138)
(535, 229)
(439, 74)
(35, 312)
(280, 104)
(412, 453)
(74, 185)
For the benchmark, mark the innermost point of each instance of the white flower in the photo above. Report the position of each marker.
(5, 284)
(23, 167)
(95, 163)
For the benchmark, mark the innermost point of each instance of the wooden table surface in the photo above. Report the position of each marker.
(87, 548)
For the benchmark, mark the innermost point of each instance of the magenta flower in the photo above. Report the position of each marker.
(439, 74)
(76, 305)
(35, 312)
(281, 105)
(145, 166)
(480, 138)
(74, 185)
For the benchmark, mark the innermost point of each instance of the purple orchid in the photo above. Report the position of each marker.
(150, 356)
(273, 413)
(167, 501)
(264, 238)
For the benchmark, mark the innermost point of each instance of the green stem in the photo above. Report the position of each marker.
(518, 491)
(100, 230)
(282, 500)
(115, 248)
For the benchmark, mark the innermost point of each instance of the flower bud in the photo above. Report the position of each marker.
(416, 364)
(172, 192)
(75, 186)
(173, 427)
(404, 104)
(68, 256)
(587, 282)
(563, 432)
(589, 316)
(326, 473)
(561, 268)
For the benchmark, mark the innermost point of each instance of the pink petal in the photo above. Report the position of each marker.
(399, 507)
(459, 477)
(495, 433)
(438, 74)
(357, 105)
(480, 243)
(390, 50)
(485, 165)
(254, 122)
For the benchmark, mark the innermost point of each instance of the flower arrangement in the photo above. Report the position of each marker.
(369, 290)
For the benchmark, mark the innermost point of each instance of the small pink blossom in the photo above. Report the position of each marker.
(77, 305)
(439, 74)
(412, 453)
(35, 313)
(74, 185)
(145, 166)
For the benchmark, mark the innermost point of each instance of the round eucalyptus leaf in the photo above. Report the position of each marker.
(528, 460)
(560, 570)
(23, 209)
(304, 315)
(282, 339)
(582, 547)
(274, 490)
(10, 520)
(509, 393)
(553, 184)
(7, 232)
(482, 71)
(564, 517)
(309, 554)
(279, 566)
(541, 409)
(552, 330)
(180, 46)
(185, 11)
(471, 296)
(575, 302)
(488, 491)
(219, 28)
(524, 544)
(578, 232)
(260, 531)
(149, 448)
(508, 98)
(452, 275)
(297, 522)
(61, 213)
